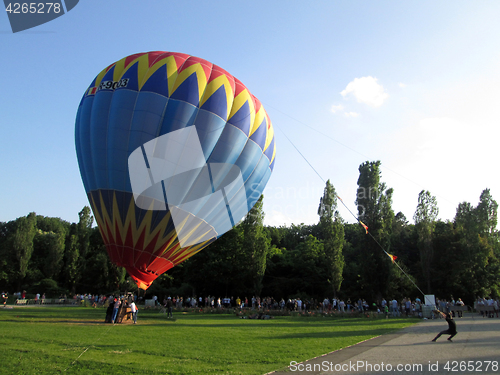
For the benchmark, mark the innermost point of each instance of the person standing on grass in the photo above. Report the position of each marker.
(169, 305)
(460, 303)
(342, 305)
(395, 310)
(4, 298)
(134, 309)
(109, 311)
(115, 309)
(452, 326)
(408, 307)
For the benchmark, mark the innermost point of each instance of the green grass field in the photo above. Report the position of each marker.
(52, 340)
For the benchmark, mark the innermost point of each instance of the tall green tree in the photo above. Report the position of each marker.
(49, 251)
(487, 213)
(404, 242)
(374, 203)
(22, 244)
(77, 248)
(84, 229)
(8, 261)
(256, 244)
(425, 221)
(332, 232)
(71, 257)
(478, 248)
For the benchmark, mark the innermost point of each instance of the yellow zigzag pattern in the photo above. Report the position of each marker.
(172, 71)
(214, 85)
(119, 229)
(269, 132)
(205, 91)
(239, 101)
(105, 222)
(200, 76)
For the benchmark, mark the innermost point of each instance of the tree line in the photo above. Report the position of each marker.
(49, 255)
(451, 259)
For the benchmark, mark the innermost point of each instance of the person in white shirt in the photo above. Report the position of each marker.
(134, 310)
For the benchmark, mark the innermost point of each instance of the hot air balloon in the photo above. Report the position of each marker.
(173, 152)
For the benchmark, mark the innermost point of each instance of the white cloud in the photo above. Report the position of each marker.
(276, 219)
(340, 108)
(336, 108)
(351, 114)
(402, 85)
(366, 90)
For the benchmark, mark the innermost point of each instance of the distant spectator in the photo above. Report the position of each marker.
(460, 303)
(115, 309)
(169, 305)
(109, 312)
(134, 309)
(394, 307)
(408, 306)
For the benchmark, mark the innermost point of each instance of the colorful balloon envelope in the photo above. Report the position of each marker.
(173, 152)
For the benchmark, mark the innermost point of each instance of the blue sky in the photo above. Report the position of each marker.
(415, 85)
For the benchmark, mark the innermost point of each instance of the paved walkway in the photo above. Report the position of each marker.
(474, 350)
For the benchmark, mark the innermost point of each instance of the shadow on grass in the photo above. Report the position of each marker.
(332, 334)
(257, 323)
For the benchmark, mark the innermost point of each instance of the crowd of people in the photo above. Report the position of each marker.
(492, 304)
(396, 308)
(389, 307)
(120, 308)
